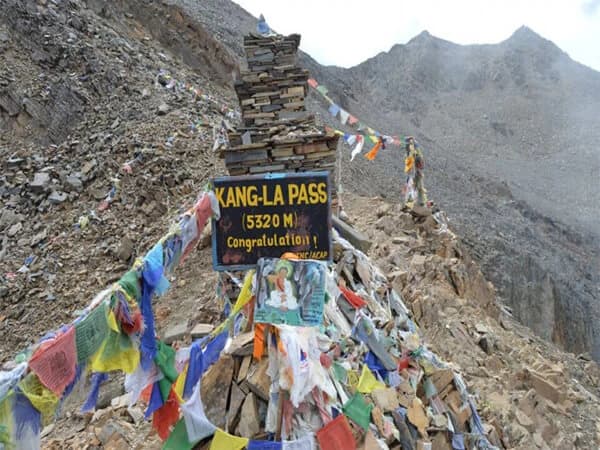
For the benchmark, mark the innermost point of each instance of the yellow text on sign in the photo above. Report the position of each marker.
(295, 194)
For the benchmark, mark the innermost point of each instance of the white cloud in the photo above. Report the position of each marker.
(346, 32)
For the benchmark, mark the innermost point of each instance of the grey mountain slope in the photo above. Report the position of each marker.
(511, 135)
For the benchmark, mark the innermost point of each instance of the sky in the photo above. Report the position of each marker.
(347, 32)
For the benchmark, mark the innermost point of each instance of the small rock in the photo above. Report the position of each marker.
(524, 420)
(9, 217)
(47, 430)
(15, 229)
(125, 249)
(400, 239)
(163, 109)
(383, 210)
(41, 181)
(201, 330)
(35, 240)
(121, 401)
(136, 414)
(108, 432)
(175, 333)
(485, 344)
(73, 184)
(57, 197)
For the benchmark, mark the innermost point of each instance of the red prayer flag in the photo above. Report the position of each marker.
(336, 435)
(354, 299)
(55, 360)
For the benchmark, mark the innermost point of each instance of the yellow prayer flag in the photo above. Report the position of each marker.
(112, 322)
(374, 139)
(367, 382)
(244, 297)
(409, 164)
(245, 293)
(352, 378)
(226, 441)
(42, 398)
(180, 384)
(109, 358)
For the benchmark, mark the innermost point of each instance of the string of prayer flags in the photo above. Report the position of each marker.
(226, 441)
(205, 207)
(350, 139)
(346, 118)
(104, 338)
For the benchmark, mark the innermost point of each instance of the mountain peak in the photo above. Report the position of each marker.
(525, 34)
(423, 37)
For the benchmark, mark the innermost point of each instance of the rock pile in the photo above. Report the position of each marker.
(278, 134)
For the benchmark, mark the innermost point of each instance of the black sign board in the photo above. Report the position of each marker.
(268, 215)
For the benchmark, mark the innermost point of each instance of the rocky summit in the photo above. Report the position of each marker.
(112, 118)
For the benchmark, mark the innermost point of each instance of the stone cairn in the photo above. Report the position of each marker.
(277, 134)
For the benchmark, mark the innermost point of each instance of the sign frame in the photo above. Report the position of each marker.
(325, 175)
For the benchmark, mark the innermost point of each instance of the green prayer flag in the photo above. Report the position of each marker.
(90, 332)
(339, 372)
(322, 89)
(130, 283)
(165, 360)
(358, 410)
(178, 439)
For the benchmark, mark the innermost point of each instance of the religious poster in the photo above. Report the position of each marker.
(269, 215)
(290, 292)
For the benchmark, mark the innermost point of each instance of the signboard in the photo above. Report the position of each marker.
(268, 215)
(290, 292)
